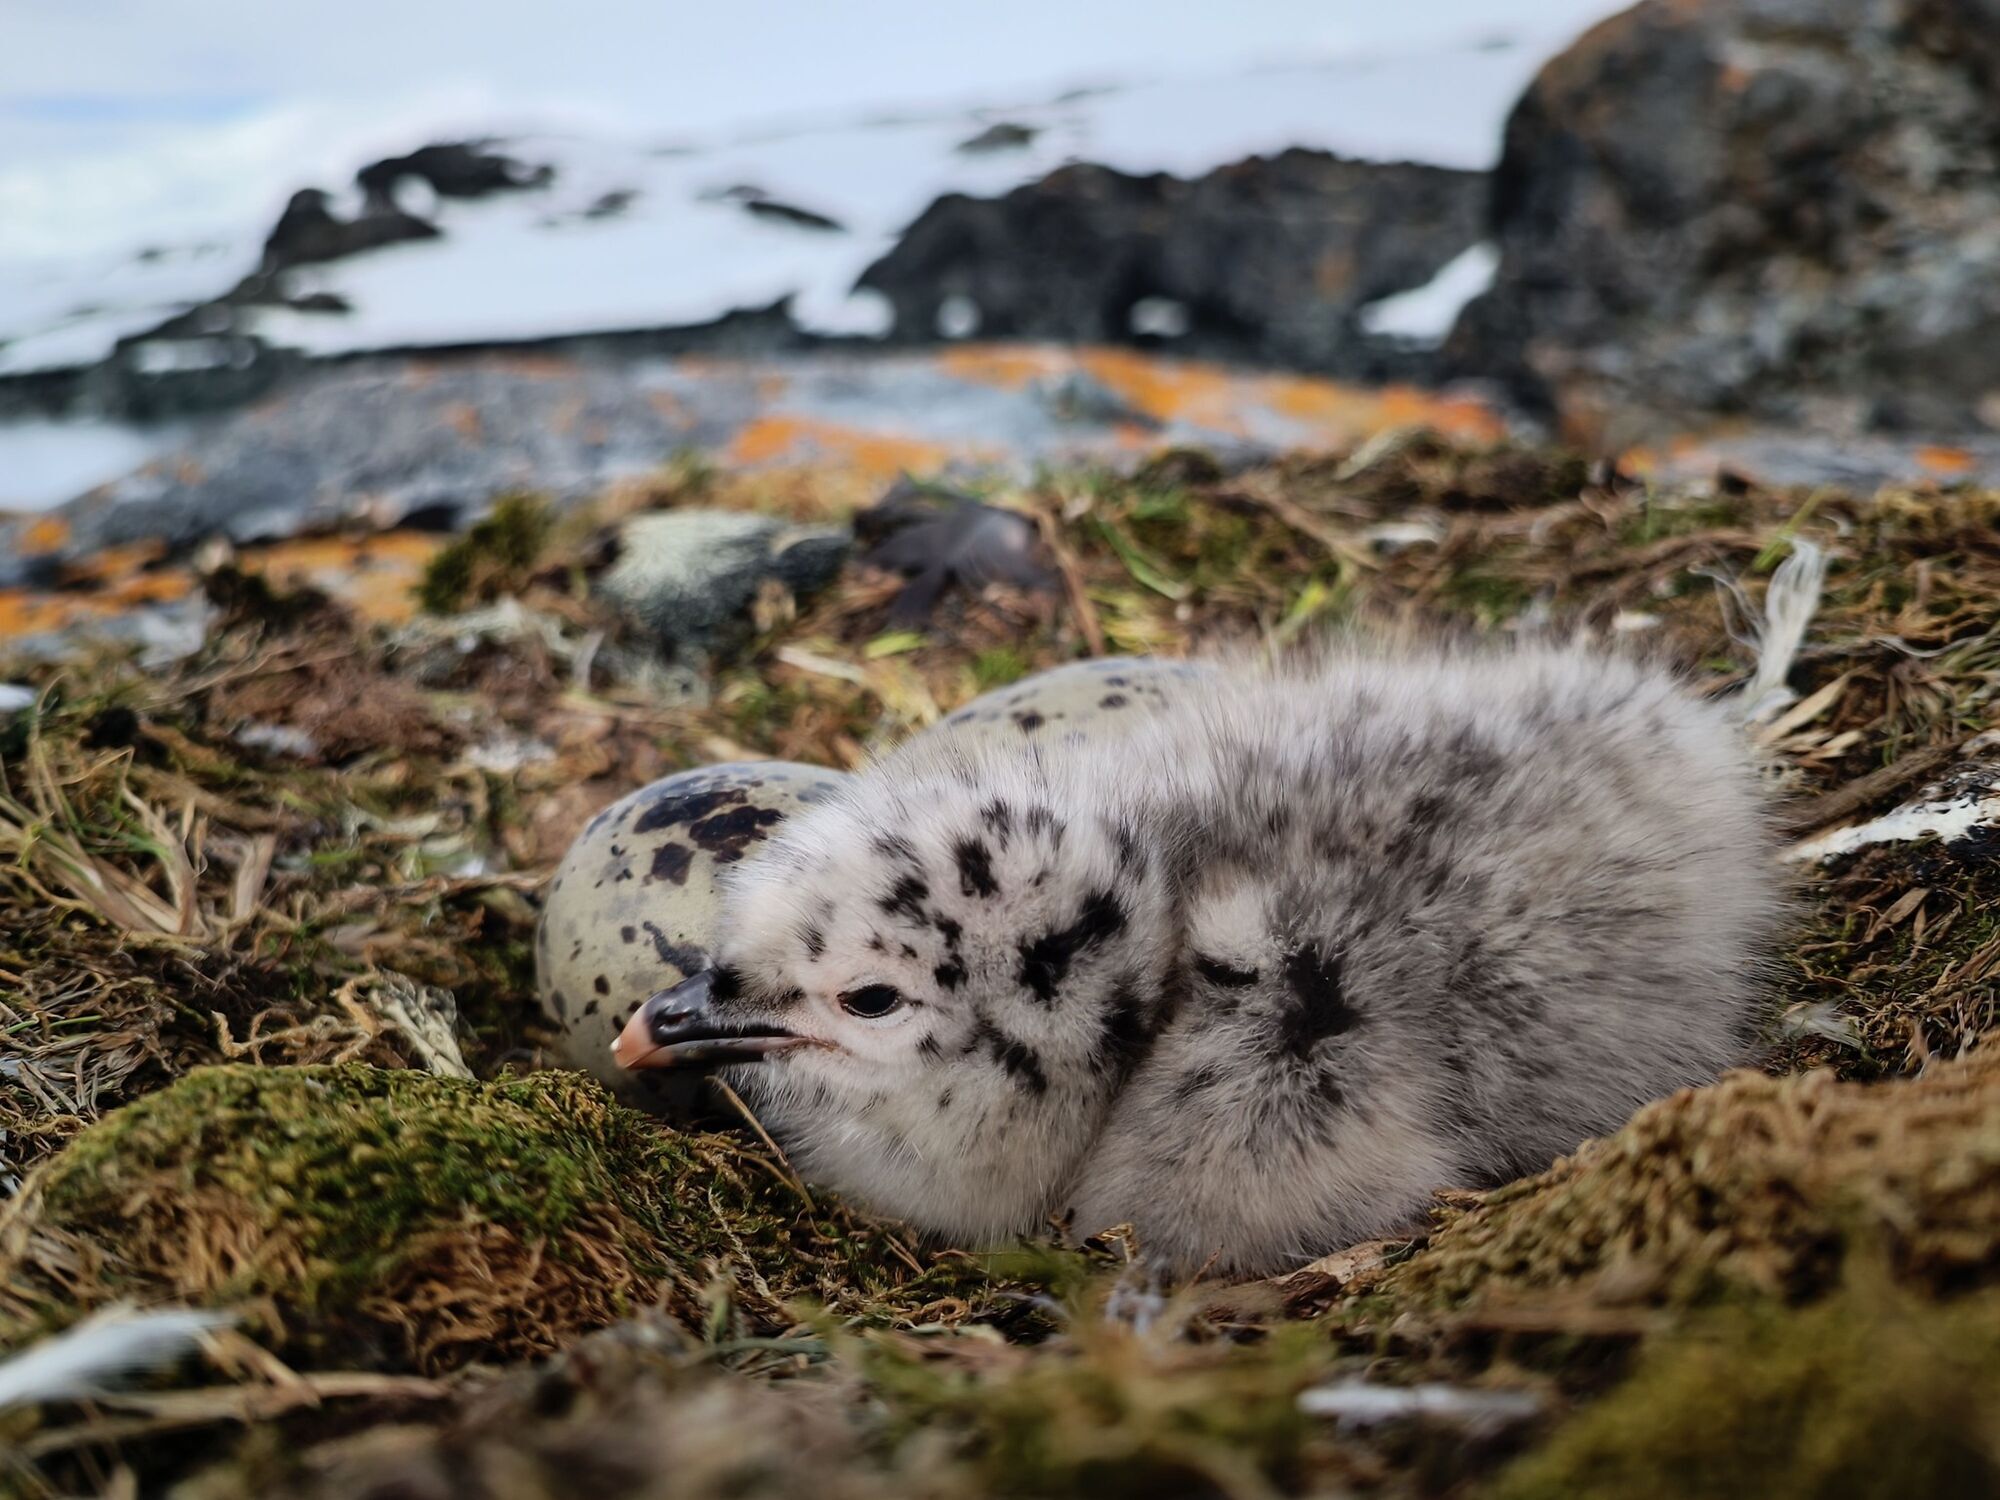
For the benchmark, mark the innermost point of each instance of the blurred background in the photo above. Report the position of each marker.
(1757, 233)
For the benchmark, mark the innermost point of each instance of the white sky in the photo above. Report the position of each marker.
(79, 75)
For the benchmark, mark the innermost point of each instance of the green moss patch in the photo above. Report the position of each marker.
(417, 1222)
(494, 557)
(1866, 1396)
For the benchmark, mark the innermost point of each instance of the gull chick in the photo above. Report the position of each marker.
(1259, 978)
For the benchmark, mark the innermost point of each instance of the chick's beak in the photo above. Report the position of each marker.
(678, 1028)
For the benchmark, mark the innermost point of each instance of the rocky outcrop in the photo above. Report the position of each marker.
(457, 169)
(1784, 207)
(308, 231)
(1271, 258)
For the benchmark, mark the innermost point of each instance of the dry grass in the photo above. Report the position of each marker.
(174, 893)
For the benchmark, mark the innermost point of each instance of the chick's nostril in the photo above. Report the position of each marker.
(666, 1022)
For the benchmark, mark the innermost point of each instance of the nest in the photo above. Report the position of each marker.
(282, 853)
(1756, 1184)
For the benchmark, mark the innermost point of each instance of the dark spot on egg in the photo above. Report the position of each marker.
(670, 810)
(724, 834)
(686, 957)
(671, 862)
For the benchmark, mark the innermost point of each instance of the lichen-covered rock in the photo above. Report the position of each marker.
(690, 577)
(1780, 205)
(410, 1221)
(1771, 1185)
(632, 907)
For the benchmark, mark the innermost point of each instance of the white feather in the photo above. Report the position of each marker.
(109, 1345)
(1789, 606)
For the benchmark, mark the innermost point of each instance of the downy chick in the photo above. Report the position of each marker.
(1259, 978)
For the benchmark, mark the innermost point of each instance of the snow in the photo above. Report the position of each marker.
(531, 264)
(45, 461)
(1424, 315)
(1950, 820)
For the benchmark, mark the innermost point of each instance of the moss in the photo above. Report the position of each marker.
(419, 1221)
(493, 557)
(997, 667)
(1762, 1184)
(1867, 1396)
(1113, 1413)
(1659, 518)
(1489, 596)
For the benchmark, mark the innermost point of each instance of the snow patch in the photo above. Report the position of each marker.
(45, 461)
(1425, 315)
(1949, 820)
(679, 248)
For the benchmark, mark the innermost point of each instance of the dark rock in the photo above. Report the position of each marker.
(1272, 258)
(307, 231)
(1001, 135)
(453, 170)
(789, 213)
(1784, 207)
(381, 444)
(610, 205)
(938, 538)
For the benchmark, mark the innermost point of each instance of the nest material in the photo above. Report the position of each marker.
(1757, 1184)
(173, 895)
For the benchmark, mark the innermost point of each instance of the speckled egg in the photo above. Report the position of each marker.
(1083, 700)
(632, 907)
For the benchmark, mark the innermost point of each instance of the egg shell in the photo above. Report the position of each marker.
(1104, 697)
(632, 907)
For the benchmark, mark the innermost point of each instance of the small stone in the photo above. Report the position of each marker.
(691, 577)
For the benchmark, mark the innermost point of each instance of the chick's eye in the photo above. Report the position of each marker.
(871, 1001)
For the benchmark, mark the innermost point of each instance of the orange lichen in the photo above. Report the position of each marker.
(786, 440)
(375, 576)
(1342, 415)
(1950, 462)
(41, 536)
(1170, 390)
(1010, 367)
(463, 418)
